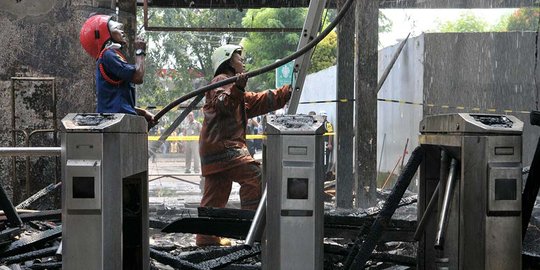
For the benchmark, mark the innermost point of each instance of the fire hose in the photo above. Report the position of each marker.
(250, 74)
(358, 256)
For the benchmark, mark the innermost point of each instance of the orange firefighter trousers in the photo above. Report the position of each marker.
(217, 188)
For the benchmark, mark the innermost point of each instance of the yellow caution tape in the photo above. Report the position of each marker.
(431, 105)
(196, 138)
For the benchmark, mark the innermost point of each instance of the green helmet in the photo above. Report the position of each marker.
(222, 54)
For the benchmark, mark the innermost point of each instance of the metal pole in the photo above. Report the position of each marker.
(427, 213)
(391, 64)
(29, 151)
(259, 221)
(441, 227)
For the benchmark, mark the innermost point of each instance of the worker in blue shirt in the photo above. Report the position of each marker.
(103, 38)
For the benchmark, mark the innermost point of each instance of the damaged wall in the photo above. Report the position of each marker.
(457, 72)
(40, 38)
(490, 71)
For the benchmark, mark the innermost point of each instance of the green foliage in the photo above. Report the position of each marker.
(325, 53)
(524, 19)
(175, 60)
(265, 48)
(467, 22)
(385, 24)
(502, 24)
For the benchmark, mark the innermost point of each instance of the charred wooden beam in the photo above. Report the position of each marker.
(168, 259)
(7, 235)
(5, 204)
(46, 252)
(342, 217)
(28, 242)
(397, 230)
(242, 267)
(376, 256)
(205, 255)
(233, 228)
(48, 265)
(46, 190)
(236, 256)
(41, 215)
(226, 213)
(157, 224)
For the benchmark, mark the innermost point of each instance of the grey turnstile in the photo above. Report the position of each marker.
(293, 169)
(476, 219)
(105, 192)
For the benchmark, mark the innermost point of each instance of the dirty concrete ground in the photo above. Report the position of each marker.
(172, 189)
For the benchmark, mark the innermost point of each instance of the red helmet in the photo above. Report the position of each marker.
(94, 33)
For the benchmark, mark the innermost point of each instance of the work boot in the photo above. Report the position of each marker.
(202, 240)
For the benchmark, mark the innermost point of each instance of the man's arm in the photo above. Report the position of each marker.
(267, 101)
(139, 62)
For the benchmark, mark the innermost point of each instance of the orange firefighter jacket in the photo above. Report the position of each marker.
(223, 135)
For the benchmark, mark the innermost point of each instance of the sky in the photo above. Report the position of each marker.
(418, 21)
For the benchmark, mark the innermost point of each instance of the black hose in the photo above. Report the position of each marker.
(388, 209)
(262, 70)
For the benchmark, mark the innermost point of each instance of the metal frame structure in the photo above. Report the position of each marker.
(28, 136)
(208, 29)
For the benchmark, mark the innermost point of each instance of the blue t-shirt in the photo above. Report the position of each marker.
(113, 98)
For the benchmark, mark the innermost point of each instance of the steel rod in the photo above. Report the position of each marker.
(33, 78)
(223, 29)
(29, 151)
(259, 221)
(443, 219)
(391, 64)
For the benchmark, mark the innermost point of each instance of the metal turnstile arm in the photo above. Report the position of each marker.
(259, 221)
(443, 218)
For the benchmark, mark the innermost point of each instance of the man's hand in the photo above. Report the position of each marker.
(241, 81)
(140, 43)
(148, 116)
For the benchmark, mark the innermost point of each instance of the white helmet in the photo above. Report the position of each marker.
(323, 113)
(222, 54)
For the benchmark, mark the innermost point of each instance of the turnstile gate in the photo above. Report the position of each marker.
(474, 161)
(105, 192)
(293, 169)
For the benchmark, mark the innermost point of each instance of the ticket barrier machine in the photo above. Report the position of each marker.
(293, 170)
(470, 192)
(105, 192)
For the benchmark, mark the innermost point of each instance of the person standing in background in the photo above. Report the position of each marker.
(192, 128)
(328, 142)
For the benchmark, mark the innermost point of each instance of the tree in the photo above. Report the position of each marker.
(265, 48)
(325, 53)
(175, 60)
(524, 19)
(467, 22)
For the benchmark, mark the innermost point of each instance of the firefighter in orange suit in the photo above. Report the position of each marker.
(224, 154)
